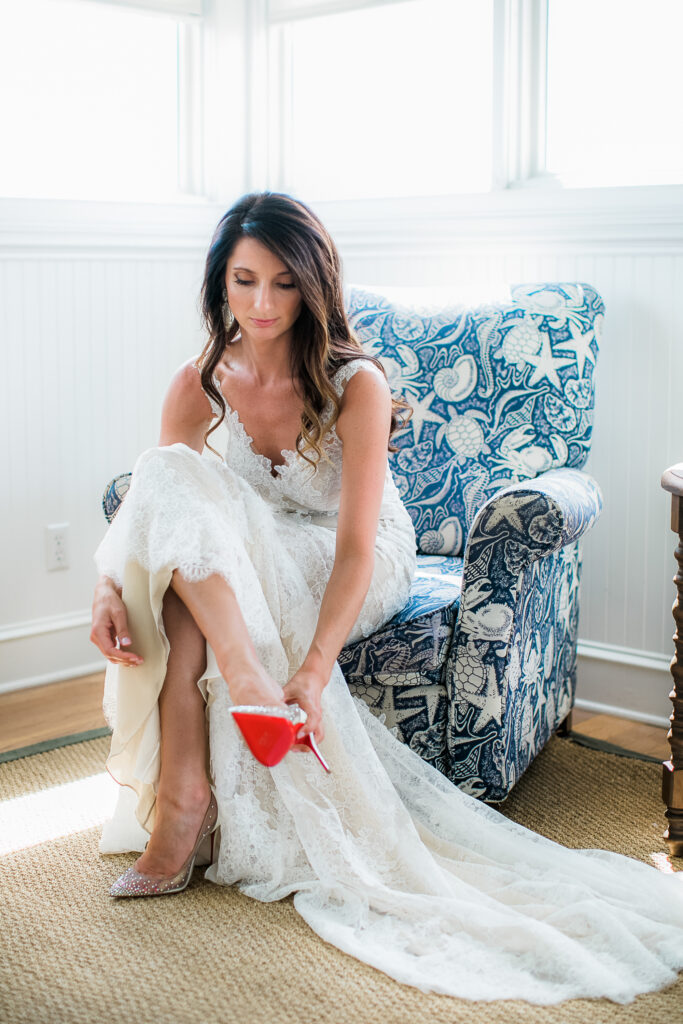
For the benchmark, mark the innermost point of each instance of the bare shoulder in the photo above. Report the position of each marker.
(186, 386)
(366, 385)
(365, 402)
(186, 409)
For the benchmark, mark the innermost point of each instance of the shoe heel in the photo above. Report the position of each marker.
(309, 740)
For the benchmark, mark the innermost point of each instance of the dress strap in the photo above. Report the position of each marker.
(215, 407)
(347, 371)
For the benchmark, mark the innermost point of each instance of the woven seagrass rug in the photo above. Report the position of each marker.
(71, 955)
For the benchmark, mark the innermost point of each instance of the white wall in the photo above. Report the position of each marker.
(98, 304)
(95, 314)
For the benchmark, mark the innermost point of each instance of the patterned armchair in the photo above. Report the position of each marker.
(479, 668)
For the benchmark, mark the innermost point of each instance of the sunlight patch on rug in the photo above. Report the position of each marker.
(59, 811)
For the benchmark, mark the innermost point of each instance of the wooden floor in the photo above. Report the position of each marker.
(46, 712)
(61, 709)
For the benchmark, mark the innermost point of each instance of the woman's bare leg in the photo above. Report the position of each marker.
(193, 612)
(215, 610)
(183, 791)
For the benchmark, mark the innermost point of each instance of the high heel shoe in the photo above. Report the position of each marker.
(132, 883)
(271, 732)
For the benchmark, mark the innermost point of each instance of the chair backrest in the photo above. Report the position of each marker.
(500, 393)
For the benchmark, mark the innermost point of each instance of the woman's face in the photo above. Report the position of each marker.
(262, 294)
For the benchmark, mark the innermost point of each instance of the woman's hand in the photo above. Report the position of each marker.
(305, 689)
(110, 623)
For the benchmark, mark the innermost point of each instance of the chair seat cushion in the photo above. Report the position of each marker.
(398, 670)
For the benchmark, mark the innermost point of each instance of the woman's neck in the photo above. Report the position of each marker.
(268, 362)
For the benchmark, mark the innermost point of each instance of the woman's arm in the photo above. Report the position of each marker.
(109, 630)
(185, 417)
(363, 427)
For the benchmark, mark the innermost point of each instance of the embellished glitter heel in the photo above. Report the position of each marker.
(271, 732)
(132, 883)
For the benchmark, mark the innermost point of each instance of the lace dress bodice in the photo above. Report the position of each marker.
(297, 486)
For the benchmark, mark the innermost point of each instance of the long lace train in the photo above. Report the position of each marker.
(387, 859)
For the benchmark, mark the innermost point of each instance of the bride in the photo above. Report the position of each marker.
(237, 582)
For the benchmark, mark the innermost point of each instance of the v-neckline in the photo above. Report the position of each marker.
(273, 469)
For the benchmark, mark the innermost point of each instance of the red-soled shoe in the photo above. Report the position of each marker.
(271, 732)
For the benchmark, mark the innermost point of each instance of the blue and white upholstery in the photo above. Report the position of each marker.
(479, 668)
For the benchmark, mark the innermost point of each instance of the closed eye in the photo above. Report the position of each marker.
(281, 284)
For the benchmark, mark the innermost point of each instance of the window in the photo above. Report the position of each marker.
(429, 97)
(615, 82)
(387, 100)
(90, 106)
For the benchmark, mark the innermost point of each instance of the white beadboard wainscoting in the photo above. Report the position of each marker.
(100, 304)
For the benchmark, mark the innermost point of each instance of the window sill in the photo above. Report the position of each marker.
(30, 224)
(512, 216)
(539, 216)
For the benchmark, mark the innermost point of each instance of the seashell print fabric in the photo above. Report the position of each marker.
(500, 394)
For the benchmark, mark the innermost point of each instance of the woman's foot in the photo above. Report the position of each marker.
(253, 686)
(135, 883)
(178, 820)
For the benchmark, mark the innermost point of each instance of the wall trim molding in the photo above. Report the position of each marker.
(623, 655)
(49, 624)
(72, 229)
(76, 672)
(611, 220)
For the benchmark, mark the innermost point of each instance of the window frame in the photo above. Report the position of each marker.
(520, 94)
(226, 117)
(519, 88)
(190, 152)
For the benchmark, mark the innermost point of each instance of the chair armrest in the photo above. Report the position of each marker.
(517, 526)
(535, 517)
(510, 673)
(114, 493)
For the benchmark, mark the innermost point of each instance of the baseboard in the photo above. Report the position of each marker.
(623, 682)
(48, 624)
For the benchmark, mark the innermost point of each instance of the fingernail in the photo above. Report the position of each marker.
(124, 640)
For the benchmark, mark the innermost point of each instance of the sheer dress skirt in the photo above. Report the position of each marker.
(191, 513)
(387, 859)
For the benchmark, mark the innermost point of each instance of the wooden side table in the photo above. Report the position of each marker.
(672, 782)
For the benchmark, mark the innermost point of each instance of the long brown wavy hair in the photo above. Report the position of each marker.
(323, 339)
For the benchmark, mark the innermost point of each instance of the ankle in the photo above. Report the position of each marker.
(183, 796)
(239, 668)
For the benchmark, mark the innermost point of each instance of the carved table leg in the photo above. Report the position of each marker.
(672, 782)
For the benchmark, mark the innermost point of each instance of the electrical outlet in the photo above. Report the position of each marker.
(57, 546)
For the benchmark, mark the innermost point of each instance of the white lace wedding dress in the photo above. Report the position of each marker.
(387, 859)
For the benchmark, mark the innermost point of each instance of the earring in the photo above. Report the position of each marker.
(227, 312)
